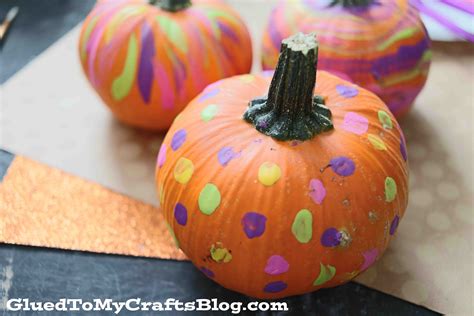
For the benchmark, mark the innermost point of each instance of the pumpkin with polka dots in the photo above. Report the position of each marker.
(274, 186)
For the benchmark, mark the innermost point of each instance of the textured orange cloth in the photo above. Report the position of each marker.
(42, 206)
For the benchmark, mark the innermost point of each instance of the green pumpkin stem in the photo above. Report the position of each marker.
(171, 5)
(291, 111)
(352, 3)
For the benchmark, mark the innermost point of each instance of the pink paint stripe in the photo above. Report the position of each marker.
(463, 5)
(166, 88)
(443, 20)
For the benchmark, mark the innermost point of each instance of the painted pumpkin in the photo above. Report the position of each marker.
(147, 61)
(380, 45)
(287, 193)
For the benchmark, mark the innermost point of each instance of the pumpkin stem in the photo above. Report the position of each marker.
(291, 111)
(171, 5)
(352, 3)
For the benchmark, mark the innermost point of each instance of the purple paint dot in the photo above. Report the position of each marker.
(403, 148)
(331, 237)
(276, 265)
(275, 287)
(181, 214)
(268, 73)
(394, 224)
(208, 94)
(346, 91)
(225, 155)
(253, 224)
(343, 166)
(207, 272)
(178, 139)
(161, 156)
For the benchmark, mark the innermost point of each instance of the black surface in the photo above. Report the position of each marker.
(38, 24)
(46, 274)
(5, 160)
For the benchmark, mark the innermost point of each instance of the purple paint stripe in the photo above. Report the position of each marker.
(461, 5)
(145, 70)
(443, 20)
(228, 32)
(405, 58)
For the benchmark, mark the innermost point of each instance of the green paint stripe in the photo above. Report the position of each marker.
(123, 84)
(396, 37)
(174, 32)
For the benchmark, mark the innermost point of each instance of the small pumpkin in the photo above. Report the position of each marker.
(273, 188)
(147, 61)
(380, 45)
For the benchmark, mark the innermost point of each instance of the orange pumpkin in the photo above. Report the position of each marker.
(287, 193)
(380, 45)
(148, 61)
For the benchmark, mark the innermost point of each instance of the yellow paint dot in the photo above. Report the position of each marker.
(220, 254)
(183, 170)
(247, 78)
(376, 142)
(269, 173)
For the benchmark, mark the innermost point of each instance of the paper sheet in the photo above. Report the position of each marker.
(50, 113)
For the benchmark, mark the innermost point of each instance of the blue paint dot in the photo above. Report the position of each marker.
(331, 237)
(178, 139)
(347, 91)
(181, 214)
(343, 166)
(275, 287)
(253, 224)
(207, 272)
(403, 148)
(394, 224)
(208, 94)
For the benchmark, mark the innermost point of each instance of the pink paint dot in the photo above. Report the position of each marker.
(369, 258)
(355, 123)
(276, 265)
(317, 192)
(161, 156)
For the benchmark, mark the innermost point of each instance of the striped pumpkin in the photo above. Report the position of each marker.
(380, 45)
(147, 61)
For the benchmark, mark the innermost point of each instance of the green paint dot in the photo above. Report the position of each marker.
(390, 189)
(385, 120)
(209, 112)
(209, 199)
(302, 227)
(326, 273)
